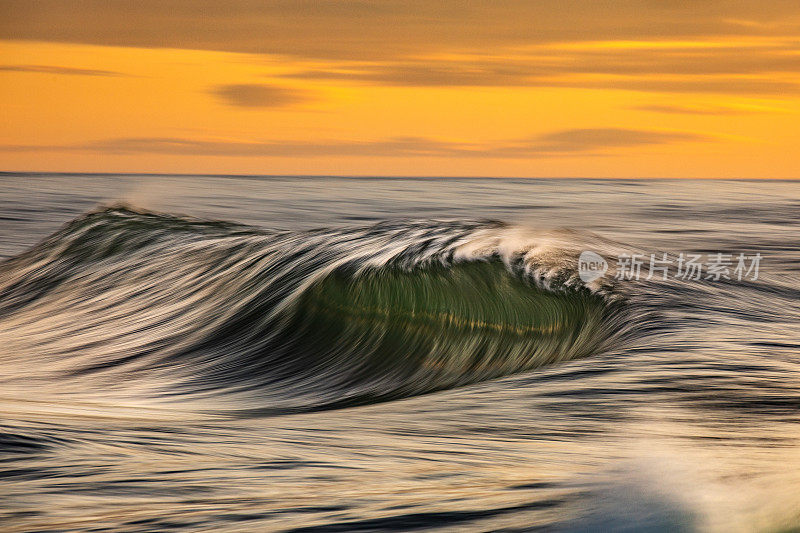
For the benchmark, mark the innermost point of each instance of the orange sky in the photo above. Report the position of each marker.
(493, 88)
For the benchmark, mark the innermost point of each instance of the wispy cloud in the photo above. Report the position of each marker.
(68, 71)
(259, 95)
(674, 109)
(725, 46)
(385, 29)
(754, 66)
(564, 143)
(589, 139)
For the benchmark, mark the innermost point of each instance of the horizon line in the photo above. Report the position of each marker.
(4, 173)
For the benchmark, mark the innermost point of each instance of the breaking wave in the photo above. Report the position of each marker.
(133, 304)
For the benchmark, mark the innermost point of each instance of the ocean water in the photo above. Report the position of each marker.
(208, 353)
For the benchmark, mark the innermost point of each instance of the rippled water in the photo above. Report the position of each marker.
(207, 353)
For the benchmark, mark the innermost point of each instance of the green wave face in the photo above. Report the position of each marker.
(442, 326)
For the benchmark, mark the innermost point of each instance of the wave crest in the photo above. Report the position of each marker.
(156, 306)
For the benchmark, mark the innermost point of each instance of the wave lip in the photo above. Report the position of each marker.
(156, 306)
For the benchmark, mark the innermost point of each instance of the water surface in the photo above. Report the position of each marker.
(344, 354)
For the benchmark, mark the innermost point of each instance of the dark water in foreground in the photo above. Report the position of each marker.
(259, 354)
